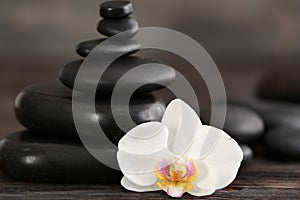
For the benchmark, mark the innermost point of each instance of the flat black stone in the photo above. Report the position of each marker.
(46, 108)
(36, 158)
(158, 76)
(110, 27)
(283, 143)
(241, 123)
(130, 47)
(274, 113)
(116, 9)
(247, 153)
(281, 84)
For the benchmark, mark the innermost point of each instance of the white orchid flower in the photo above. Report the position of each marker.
(178, 155)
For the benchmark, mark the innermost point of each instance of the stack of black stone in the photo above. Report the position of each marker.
(50, 150)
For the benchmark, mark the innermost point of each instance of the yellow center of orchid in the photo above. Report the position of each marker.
(176, 178)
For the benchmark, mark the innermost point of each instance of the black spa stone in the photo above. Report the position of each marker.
(241, 123)
(283, 143)
(110, 27)
(40, 158)
(156, 75)
(46, 108)
(116, 9)
(274, 113)
(247, 153)
(130, 47)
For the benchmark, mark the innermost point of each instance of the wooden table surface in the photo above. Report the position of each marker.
(259, 179)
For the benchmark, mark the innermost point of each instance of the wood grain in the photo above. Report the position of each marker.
(259, 179)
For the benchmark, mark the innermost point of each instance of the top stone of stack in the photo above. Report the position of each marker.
(116, 9)
(116, 19)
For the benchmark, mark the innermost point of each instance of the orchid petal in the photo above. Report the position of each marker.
(137, 188)
(146, 138)
(207, 178)
(203, 141)
(139, 151)
(225, 174)
(140, 169)
(196, 191)
(182, 122)
(224, 158)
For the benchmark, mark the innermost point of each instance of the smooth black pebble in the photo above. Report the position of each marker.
(283, 143)
(36, 158)
(281, 84)
(116, 9)
(247, 153)
(46, 108)
(110, 27)
(274, 113)
(129, 47)
(241, 123)
(149, 81)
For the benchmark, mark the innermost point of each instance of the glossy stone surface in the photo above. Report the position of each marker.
(110, 27)
(47, 108)
(241, 123)
(158, 75)
(37, 158)
(116, 9)
(281, 84)
(247, 153)
(283, 143)
(273, 113)
(130, 47)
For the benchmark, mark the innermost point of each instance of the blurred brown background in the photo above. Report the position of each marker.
(245, 38)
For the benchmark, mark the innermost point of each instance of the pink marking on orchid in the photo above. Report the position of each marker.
(176, 178)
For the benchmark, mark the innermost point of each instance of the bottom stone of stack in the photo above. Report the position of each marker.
(40, 158)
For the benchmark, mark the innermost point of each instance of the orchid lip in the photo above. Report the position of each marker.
(177, 177)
